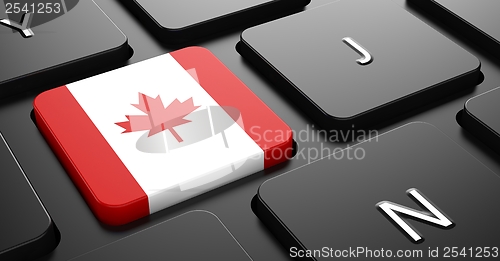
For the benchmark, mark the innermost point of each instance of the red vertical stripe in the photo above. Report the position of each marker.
(272, 135)
(106, 184)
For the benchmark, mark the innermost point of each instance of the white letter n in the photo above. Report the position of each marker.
(393, 212)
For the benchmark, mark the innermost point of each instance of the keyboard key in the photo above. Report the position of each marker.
(477, 20)
(480, 117)
(28, 232)
(184, 20)
(412, 188)
(349, 65)
(48, 50)
(150, 135)
(196, 235)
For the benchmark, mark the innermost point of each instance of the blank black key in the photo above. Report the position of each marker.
(412, 188)
(27, 231)
(478, 20)
(358, 62)
(196, 235)
(177, 21)
(52, 49)
(480, 117)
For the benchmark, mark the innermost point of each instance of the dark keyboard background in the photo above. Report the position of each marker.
(80, 230)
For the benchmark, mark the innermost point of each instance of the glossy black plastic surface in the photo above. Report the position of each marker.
(305, 56)
(27, 230)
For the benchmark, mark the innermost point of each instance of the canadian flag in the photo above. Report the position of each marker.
(150, 135)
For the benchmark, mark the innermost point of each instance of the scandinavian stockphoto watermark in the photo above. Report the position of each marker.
(315, 144)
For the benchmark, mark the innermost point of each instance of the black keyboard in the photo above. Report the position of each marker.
(249, 130)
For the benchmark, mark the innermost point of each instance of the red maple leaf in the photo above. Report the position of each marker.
(158, 118)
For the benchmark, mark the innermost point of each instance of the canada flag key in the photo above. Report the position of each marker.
(147, 136)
